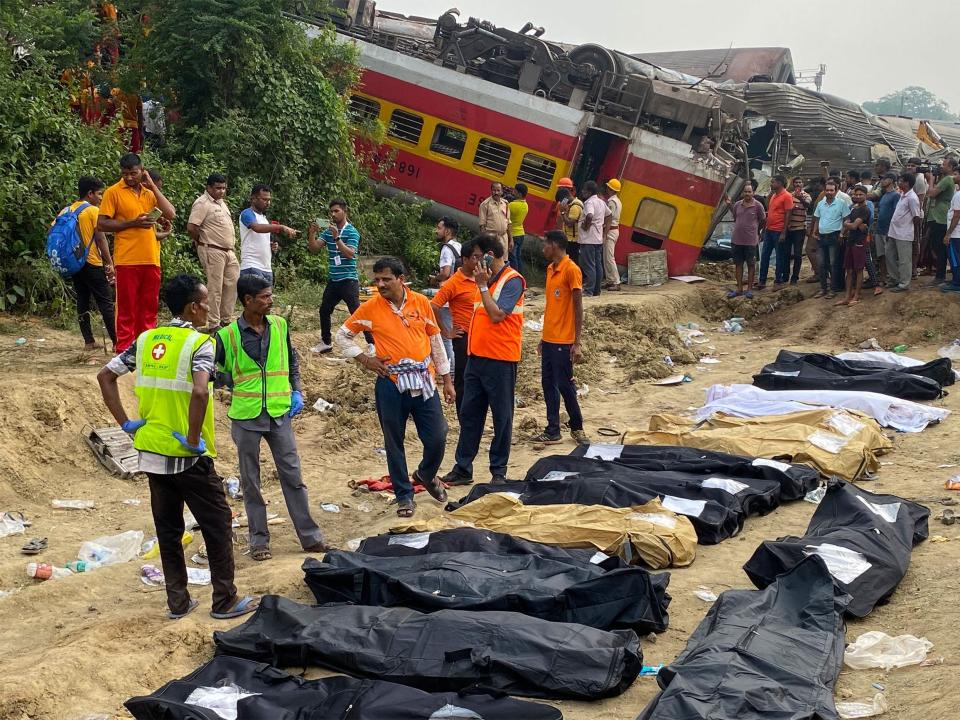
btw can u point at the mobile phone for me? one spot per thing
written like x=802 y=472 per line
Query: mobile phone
x=155 y=214
x=488 y=261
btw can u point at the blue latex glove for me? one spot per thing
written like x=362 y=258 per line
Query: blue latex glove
x=198 y=449
x=296 y=403
x=131 y=426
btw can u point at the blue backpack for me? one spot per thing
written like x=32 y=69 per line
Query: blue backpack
x=65 y=246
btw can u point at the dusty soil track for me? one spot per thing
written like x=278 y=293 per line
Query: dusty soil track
x=84 y=644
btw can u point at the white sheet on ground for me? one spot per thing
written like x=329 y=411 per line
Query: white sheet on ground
x=749 y=401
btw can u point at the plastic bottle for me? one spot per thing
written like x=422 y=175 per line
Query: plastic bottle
x=79 y=566
x=151 y=548
x=899 y=348
x=45 y=571
x=72 y=504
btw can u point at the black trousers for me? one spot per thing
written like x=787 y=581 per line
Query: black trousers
x=573 y=251
x=346 y=290
x=200 y=488
x=556 y=377
x=459 y=367
x=487 y=384
x=91 y=285
x=935 y=234
x=795 y=239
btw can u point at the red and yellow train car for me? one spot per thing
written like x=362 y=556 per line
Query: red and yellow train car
x=454 y=133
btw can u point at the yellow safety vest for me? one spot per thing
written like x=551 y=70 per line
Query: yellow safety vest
x=256 y=387
x=164 y=386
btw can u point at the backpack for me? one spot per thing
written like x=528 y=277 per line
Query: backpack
x=457 y=260
x=65 y=246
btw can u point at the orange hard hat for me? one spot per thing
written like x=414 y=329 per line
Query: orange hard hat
x=565 y=182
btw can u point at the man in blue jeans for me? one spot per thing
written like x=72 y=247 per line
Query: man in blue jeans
x=775 y=236
x=408 y=348
x=827 y=223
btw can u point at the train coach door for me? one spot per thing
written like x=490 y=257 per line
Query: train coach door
x=602 y=156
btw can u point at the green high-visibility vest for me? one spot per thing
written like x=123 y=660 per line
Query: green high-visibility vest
x=164 y=386
x=256 y=387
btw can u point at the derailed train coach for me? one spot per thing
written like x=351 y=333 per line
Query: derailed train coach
x=464 y=105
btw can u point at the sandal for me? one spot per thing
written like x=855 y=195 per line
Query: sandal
x=242 y=607
x=190 y=608
x=34 y=546
x=432 y=486
x=406 y=508
x=261 y=553
x=732 y=294
x=748 y=295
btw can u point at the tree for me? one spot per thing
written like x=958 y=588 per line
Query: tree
x=914 y=101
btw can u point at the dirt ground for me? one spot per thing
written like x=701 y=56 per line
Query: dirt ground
x=83 y=645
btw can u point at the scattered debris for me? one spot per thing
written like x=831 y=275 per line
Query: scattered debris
x=650 y=671
x=112 y=549
x=674 y=380
x=535 y=325
x=72 y=504
x=871 y=344
x=953 y=483
x=330 y=507
x=733 y=325
x=705 y=594
x=232 y=486
x=323 y=406
x=951 y=351
x=131 y=501
x=875 y=707
x=878 y=650
x=12 y=524
x=687 y=278
x=816 y=495
x=583 y=391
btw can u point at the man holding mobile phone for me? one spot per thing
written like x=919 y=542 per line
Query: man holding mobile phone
x=342 y=242
x=126 y=212
x=493 y=354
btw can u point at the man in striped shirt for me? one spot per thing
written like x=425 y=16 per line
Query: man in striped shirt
x=342 y=242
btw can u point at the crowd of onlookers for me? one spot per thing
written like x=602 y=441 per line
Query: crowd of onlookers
x=893 y=226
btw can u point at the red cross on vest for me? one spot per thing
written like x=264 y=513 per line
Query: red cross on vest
x=159 y=350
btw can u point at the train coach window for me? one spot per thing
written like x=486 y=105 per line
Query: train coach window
x=363 y=110
x=655 y=217
x=537 y=170
x=492 y=156
x=448 y=141
x=405 y=126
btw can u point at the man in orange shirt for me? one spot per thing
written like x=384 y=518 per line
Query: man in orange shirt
x=408 y=347
x=779 y=209
x=493 y=354
x=560 y=347
x=461 y=292
x=128 y=212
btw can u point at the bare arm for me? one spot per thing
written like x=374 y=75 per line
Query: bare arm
x=166 y=207
x=111 y=395
x=313 y=244
x=103 y=247
x=198 y=406
x=107 y=224
x=815 y=227
x=587 y=220
x=193 y=230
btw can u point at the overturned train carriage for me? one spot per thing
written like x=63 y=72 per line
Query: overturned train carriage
x=480 y=103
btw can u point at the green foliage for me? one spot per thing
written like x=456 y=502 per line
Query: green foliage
x=258 y=100
x=913 y=101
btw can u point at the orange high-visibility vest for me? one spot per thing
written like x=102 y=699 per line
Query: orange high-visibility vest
x=498 y=341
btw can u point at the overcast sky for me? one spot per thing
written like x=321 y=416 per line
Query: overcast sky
x=857 y=41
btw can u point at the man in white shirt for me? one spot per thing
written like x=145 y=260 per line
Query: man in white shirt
x=256 y=245
x=590 y=238
x=904 y=233
x=953 y=235
x=447 y=230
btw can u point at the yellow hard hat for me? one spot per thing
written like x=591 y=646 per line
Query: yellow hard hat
x=614 y=185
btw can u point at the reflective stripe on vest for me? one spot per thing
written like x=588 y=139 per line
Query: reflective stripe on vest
x=256 y=387
x=165 y=390
x=503 y=340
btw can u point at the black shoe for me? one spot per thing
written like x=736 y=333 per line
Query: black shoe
x=498 y=480
x=453 y=478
